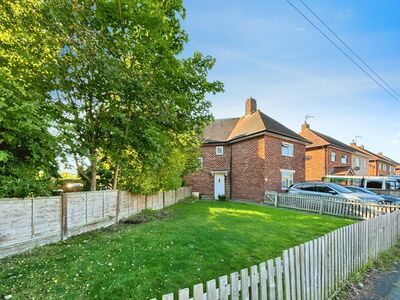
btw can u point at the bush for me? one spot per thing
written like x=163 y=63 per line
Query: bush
x=11 y=187
x=222 y=198
x=148 y=215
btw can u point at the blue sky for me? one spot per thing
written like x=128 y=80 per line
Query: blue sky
x=266 y=50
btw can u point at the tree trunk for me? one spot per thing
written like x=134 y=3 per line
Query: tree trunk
x=93 y=174
x=115 y=179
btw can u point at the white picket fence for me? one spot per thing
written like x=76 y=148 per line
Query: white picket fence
x=329 y=205
x=313 y=270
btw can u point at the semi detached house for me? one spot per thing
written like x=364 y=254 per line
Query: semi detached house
x=243 y=157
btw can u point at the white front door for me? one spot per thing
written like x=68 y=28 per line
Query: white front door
x=219 y=185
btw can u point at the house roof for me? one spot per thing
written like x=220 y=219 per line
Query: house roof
x=376 y=156
x=389 y=160
x=225 y=130
x=341 y=171
x=334 y=142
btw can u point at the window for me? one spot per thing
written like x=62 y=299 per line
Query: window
x=333 y=156
x=374 y=184
x=324 y=189
x=287 y=149
x=219 y=150
x=200 y=163
x=307 y=187
x=344 y=159
x=380 y=166
x=287 y=178
x=384 y=167
x=357 y=161
x=365 y=163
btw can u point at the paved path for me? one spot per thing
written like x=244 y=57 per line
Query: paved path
x=385 y=286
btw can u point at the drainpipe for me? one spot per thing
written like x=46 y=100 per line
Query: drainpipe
x=230 y=172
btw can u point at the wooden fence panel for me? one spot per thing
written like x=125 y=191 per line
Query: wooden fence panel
x=26 y=223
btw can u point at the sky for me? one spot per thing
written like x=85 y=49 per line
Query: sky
x=266 y=50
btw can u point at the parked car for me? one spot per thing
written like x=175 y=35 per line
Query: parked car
x=330 y=189
x=384 y=200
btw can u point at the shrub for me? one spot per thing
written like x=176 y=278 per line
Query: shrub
x=222 y=198
x=148 y=215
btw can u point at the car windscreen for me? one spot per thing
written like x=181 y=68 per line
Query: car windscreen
x=358 y=190
x=340 y=189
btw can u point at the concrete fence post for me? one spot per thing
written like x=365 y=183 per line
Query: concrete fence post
x=64 y=216
x=276 y=199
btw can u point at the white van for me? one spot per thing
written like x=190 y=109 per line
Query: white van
x=369 y=182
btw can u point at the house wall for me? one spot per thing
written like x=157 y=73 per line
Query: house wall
x=275 y=162
x=364 y=168
x=202 y=181
x=248 y=163
x=315 y=164
x=398 y=170
x=338 y=162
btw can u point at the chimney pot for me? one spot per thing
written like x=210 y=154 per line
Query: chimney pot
x=251 y=106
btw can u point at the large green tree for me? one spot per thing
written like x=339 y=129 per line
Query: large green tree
x=27 y=149
x=122 y=90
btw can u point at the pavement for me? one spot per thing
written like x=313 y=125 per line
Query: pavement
x=385 y=286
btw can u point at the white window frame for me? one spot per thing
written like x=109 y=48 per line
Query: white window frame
x=365 y=163
x=357 y=162
x=290 y=149
x=219 y=150
x=343 y=159
x=200 y=162
x=380 y=166
x=333 y=156
x=287 y=178
x=384 y=167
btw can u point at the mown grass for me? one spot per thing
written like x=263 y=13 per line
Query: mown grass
x=200 y=240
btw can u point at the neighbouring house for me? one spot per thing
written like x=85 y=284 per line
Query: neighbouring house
x=397 y=169
x=243 y=157
x=379 y=164
x=360 y=163
x=326 y=155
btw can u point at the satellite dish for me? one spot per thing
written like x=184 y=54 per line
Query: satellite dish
x=356 y=168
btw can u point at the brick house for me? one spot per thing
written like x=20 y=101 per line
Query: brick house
x=379 y=164
x=243 y=157
x=326 y=155
x=397 y=169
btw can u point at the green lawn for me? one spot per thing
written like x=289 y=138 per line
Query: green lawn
x=201 y=241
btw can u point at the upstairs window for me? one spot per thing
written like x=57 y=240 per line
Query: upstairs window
x=333 y=156
x=365 y=163
x=344 y=159
x=384 y=167
x=200 y=162
x=219 y=150
x=357 y=161
x=287 y=149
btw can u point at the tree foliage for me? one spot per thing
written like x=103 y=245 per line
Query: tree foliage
x=108 y=79
x=27 y=149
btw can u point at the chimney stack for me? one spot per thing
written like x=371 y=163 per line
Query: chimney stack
x=353 y=144
x=305 y=126
x=251 y=106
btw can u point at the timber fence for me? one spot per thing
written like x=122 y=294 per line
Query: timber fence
x=29 y=222
x=313 y=270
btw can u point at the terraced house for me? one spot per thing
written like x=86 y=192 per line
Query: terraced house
x=379 y=164
x=242 y=157
x=326 y=155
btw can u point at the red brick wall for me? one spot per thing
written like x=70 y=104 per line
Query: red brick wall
x=203 y=181
x=256 y=166
x=248 y=169
x=275 y=161
x=315 y=164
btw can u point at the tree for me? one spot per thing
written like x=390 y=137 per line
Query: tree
x=27 y=149
x=120 y=87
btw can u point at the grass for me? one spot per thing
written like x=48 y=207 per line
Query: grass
x=198 y=241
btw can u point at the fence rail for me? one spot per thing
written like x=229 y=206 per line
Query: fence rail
x=29 y=222
x=313 y=270
x=329 y=205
